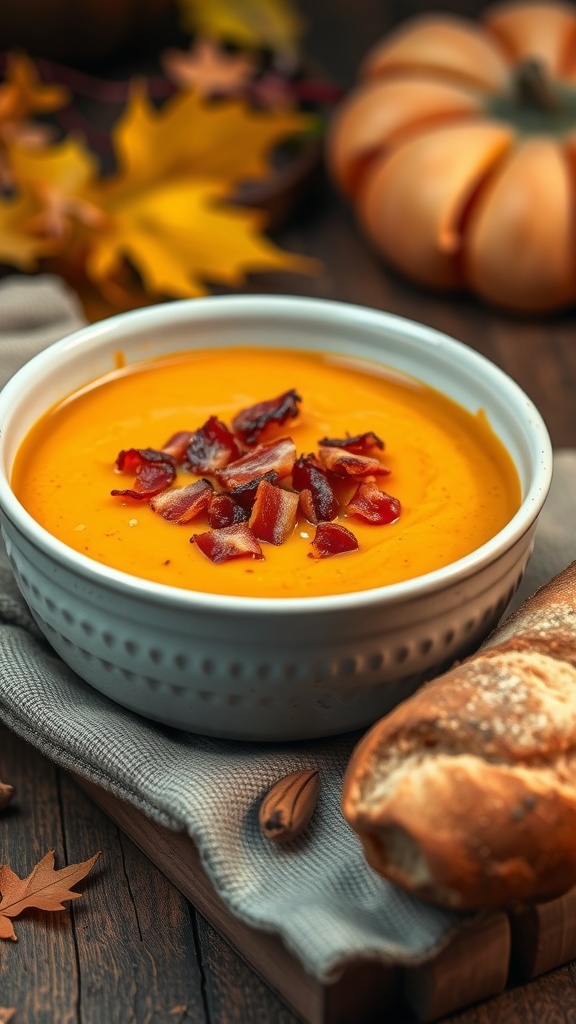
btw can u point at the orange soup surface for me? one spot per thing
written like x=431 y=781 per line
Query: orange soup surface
x=455 y=481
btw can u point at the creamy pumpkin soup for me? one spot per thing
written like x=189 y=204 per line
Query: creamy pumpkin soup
x=266 y=473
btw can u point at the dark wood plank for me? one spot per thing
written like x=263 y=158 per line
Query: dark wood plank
x=177 y=856
x=123 y=954
x=232 y=990
x=550 y=999
x=543 y=936
x=472 y=967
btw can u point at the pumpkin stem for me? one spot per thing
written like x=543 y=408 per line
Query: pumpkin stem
x=533 y=86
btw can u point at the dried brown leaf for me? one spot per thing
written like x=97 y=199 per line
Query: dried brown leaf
x=45 y=888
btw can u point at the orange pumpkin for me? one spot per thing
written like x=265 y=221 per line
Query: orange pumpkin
x=458 y=149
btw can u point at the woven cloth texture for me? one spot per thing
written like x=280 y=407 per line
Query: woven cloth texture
x=317 y=892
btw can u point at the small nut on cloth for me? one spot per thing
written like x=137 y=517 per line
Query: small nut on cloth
x=289 y=805
x=6 y=794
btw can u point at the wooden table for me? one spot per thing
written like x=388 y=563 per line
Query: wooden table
x=133 y=949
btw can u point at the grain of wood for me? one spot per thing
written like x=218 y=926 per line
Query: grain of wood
x=127 y=954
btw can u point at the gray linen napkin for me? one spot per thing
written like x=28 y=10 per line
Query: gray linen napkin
x=317 y=892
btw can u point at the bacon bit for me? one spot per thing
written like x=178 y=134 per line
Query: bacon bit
x=332 y=539
x=251 y=423
x=360 y=444
x=307 y=506
x=155 y=472
x=301 y=472
x=229 y=542
x=343 y=463
x=177 y=445
x=182 y=504
x=211 y=447
x=308 y=475
x=224 y=511
x=373 y=505
x=274 y=514
x=246 y=493
x=276 y=456
x=130 y=460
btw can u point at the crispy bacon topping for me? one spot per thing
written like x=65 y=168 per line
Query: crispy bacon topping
x=246 y=505
x=211 y=447
x=250 y=424
x=229 y=542
x=360 y=444
x=307 y=506
x=182 y=504
x=373 y=505
x=246 y=493
x=276 y=456
x=154 y=470
x=224 y=511
x=274 y=514
x=308 y=475
x=343 y=463
x=332 y=539
x=177 y=445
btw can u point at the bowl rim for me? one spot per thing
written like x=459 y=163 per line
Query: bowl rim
x=395 y=593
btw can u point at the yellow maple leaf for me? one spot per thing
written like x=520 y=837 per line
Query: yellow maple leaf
x=22 y=94
x=49 y=202
x=227 y=141
x=19 y=246
x=165 y=207
x=67 y=168
x=164 y=211
x=181 y=235
x=271 y=24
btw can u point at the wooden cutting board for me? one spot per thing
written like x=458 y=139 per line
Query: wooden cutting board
x=482 y=959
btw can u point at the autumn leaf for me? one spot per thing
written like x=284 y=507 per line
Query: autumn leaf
x=45 y=888
x=19 y=246
x=37 y=219
x=270 y=24
x=165 y=212
x=189 y=135
x=166 y=207
x=208 y=68
x=22 y=94
x=181 y=235
x=58 y=177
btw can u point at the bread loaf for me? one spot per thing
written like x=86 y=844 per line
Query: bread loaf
x=465 y=794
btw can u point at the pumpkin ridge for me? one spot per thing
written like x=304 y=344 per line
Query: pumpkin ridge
x=506 y=257
x=478 y=194
x=474 y=198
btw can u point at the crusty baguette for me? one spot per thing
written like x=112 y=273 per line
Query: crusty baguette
x=465 y=794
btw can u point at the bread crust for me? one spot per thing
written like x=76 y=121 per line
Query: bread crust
x=465 y=794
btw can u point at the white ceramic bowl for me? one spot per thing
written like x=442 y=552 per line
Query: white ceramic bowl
x=254 y=668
